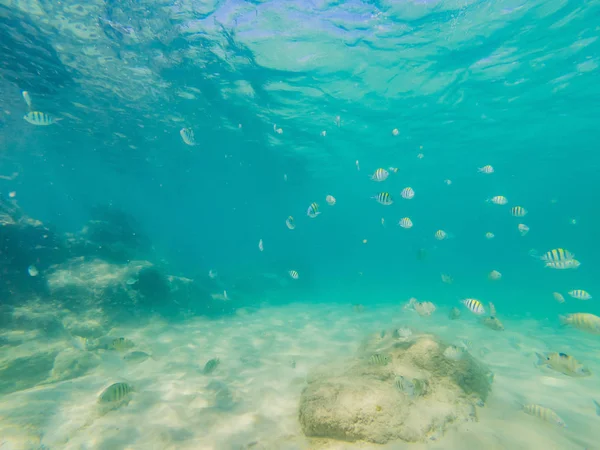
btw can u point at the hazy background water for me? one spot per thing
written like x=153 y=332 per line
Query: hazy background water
x=508 y=83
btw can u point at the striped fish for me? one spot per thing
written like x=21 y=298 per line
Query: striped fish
x=293 y=274
x=518 y=211
x=582 y=321
x=379 y=360
x=556 y=255
x=486 y=169
x=543 y=413
x=211 y=365
x=313 y=210
x=440 y=235
x=407 y=193
x=289 y=222
x=187 y=134
x=115 y=393
x=499 y=200
x=384 y=198
x=380 y=175
x=474 y=306
x=121 y=344
x=580 y=294
x=405 y=223
x=40 y=118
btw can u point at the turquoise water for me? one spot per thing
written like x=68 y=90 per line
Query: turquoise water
x=511 y=84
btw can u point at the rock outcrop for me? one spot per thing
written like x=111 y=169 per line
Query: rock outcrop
x=398 y=389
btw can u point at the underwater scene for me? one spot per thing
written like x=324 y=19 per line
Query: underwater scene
x=305 y=224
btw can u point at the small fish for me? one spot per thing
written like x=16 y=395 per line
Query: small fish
x=454 y=353
x=187 y=134
x=116 y=393
x=338 y=121
x=563 y=363
x=582 y=321
x=499 y=200
x=454 y=313
x=330 y=199
x=518 y=211
x=420 y=156
x=395 y=132
x=378 y=359
x=212 y=274
x=447 y=279
x=393 y=169
x=136 y=357
x=293 y=274
x=494 y=275
x=523 y=229
x=384 y=198
x=32 y=271
x=383 y=221
x=493 y=323
x=406 y=223
x=40 y=118
x=357 y=165
x=27 y=98
x=404 y=385
x=580 y=294
x=407 y=193
x=487 y=169
x=440 y=235
x=211 y=365
x=492 y=309
x=121 y=344
x=313 y=210
x=261 y=246
x=448 y=182
x=489 y=235
x=545 y=414
x=597 y=407
x=323 y=133
x=474 y=306
x=403 y=333
x=289 y=222
x=558 y=297
x=277 y=130
x=380 y=175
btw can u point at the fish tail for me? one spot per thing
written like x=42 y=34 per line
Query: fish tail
x=564 y=320
x=541 y=359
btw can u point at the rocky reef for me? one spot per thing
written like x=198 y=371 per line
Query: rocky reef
x=407 y=389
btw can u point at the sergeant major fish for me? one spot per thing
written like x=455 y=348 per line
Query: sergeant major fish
x=563 y=363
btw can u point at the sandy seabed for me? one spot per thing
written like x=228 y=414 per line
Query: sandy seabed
x=251 y=400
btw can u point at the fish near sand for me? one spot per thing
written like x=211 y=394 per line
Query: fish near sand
x=563 y=363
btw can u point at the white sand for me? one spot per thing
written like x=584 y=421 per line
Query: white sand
x=253 y=395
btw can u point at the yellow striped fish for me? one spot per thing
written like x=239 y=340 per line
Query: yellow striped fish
x=440 y=235
x=121 y=344
x=580 y=294
x=187 y=134
x=40 y=118
x=289 y=222
x=313 y=210
x=543 y=413
x=563 y=363
x=380 y=175
x=499 y=200
x=405 y=223
x=384 y=198
x=518 y=211
x=294 y=274
x=379 y=360
x=556 y=255
x=407 y=193
x=115 y=393
x=582 y=321
x=474 y=306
